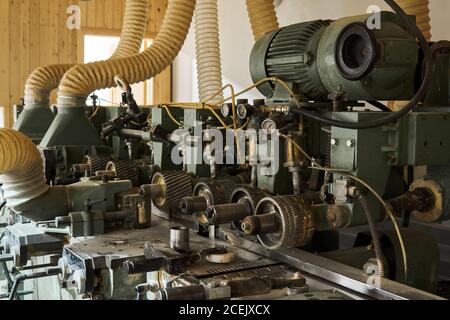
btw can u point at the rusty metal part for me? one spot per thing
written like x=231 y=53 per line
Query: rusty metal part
x=339 y=216
x=420 y=200
x=432 y=208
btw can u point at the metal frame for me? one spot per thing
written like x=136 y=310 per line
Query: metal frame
x=335 y=272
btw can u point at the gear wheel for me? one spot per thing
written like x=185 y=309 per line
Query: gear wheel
x=215 y=192
x=124 y=170
x=249 y=196
x=96 y=162
x=176 y=185
x=295 y=218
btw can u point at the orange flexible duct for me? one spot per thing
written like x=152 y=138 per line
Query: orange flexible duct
x=263 y=17
x=21 y=168
x=420 y=9
x=81 y=80
x=133 y=29
x=45 y=79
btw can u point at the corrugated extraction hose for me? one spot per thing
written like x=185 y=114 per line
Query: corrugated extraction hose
x=21 y=168
x=81 y=80
x=209 y=69
x=45 y=79
x=133 y=29
x=263 y=17
x=420 y=9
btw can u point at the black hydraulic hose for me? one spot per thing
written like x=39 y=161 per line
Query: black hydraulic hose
x=379 y=105
x=2 y=205
x=428 y=62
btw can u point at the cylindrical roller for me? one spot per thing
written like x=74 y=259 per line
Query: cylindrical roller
x=175 y=186
x=296 y=225
x=191 y=205
x=180 y=239
x=226 y=213
x=261 y=224
x=215 y=192
x=248 y=196
x=124 y=170
x=96 y=162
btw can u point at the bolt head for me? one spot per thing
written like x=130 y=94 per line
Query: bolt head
x=349 y=143
x=333 y=142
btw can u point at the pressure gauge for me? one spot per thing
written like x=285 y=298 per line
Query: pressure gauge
x=226 y=110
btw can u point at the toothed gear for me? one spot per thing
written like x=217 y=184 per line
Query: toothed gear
x=216 y=192
x=97 y=162
x=249 y=195
x=124 y=170
x=296 y=222
x=253 y=195
x=176 y=186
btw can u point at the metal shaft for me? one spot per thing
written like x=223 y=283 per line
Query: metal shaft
x=261 y=224
x=226 y=213
x=191 y=205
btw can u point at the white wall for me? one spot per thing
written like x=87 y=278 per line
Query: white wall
x=237 y=40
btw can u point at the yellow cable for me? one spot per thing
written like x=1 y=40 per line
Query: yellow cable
x=95 y=113
x=171 y=116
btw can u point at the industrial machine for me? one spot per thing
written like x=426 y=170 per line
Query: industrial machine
x=314 y=192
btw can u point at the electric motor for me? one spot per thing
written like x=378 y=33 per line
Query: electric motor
x=351 y=55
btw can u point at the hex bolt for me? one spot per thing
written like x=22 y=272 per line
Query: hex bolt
x=349 y=143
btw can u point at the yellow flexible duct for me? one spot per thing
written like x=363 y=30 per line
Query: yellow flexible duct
x=420 y=9
x=81 y=80
x=133 y=29
x=209 y=70
x=263 y=17
x=44 y=80
x=21 y=168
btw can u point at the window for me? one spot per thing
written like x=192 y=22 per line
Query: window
x=98 y=48
x=2 y=117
